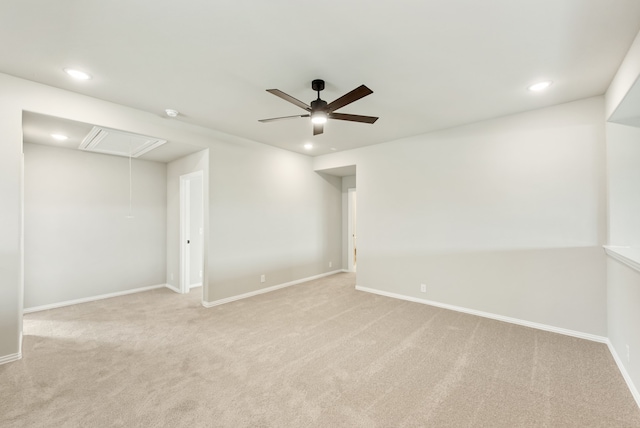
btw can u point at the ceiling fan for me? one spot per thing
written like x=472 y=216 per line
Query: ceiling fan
x=320 y=111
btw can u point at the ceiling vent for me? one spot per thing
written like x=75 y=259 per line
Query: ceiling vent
x=119 y=143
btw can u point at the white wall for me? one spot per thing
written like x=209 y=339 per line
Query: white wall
x=505 y=216
x=10 y=228
x=623 y=294
x=623 y=157
x=623 y=167
x=270 y=214
x=78 y=241
x=348 y=182
x=196 y=162
x=624 y=79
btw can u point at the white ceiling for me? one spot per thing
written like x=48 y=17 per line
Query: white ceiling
x=37 y=129
x=431 y=64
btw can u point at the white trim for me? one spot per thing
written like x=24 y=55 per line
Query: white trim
x=21 y=280
x=623 y=371
x=535 y=325
x=630 y=256
x=93 y=139
x=345 y=271
x=10 y=358
x=196 y=285
x=266 y=290
x=172 y=288
x=185 y=189
x=352 y=229
x=91 y=299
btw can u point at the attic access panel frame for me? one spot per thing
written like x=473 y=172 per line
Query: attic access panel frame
x=119 y=143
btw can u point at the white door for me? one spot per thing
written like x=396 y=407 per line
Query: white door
x=191 y=231
x=352 y=231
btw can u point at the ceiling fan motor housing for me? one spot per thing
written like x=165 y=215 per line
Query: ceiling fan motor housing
x=317 y=85
x=318 y=104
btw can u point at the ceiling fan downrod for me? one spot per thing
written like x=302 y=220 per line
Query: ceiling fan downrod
x=318 y=85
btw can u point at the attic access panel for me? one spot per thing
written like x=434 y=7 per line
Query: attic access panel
x=119 y=143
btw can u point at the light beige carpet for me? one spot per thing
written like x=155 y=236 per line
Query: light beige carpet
x=319 y=354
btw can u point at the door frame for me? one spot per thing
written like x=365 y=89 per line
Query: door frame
x=352 y=246
x=185 y=227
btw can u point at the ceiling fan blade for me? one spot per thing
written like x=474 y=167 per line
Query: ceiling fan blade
x=353 y=117
x=287 y=97
x=318 y=128
x=275 y=119
x=360 y=92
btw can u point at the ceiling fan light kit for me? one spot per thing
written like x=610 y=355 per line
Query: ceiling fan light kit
x=319 y=110
x=319 y=117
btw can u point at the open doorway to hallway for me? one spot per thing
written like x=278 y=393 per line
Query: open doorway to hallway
x=191 y=231
x=349 y=240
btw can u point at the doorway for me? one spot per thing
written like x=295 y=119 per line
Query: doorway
x=191 y=231
x=352 y=257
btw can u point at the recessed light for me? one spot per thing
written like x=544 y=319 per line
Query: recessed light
x=308 y=146
x=59 y=137
x=333 y=149
x=77 y=74
x=171 y=112
x=540 y=86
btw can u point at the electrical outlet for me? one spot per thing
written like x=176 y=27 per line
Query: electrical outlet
x=330 y=264
x=263 y=278
x=423 y=288
x=200 y=274
x=628 y=354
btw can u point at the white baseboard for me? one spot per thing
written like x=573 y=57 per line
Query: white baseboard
x=177 y=290
x=10 y=358
x=91 y=299
x=172 y=288
x=566 y=332
x=517 y=321
x=625 y=374
x=266 y=290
